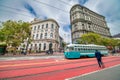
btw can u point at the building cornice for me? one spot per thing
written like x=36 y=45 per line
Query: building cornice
x=41 y=21
x=85 y=8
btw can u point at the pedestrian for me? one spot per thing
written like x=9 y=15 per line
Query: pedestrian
x=98 y=56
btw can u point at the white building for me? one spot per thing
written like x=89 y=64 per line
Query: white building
x=44 y=32
x=84 y=21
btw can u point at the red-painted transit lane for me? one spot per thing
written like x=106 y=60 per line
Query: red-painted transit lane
x=42 y=63
x=52 y=69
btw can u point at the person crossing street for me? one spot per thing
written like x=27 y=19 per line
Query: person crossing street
x=98 y=56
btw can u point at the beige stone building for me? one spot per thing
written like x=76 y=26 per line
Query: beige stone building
x=44 y=32
x=83 y=20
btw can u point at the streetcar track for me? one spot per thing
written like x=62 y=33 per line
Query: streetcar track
x=14 y=62
x=27 y=67
x=56 y=71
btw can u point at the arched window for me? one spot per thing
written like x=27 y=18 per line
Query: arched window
x=36 y=36
x=45 y=35
x=42 y=26
x=39 y=47
x=44 y=46
x=41 y=36
x=35 y=47
x=38 y=26
x=46 y=25
x=51 y=35
x=52 y=26
x=34 y=27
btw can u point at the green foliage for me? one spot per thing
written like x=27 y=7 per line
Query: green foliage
x=2 y=38
x=63 y=44
x=92 y=38
x=2 y=44
x=14 y=32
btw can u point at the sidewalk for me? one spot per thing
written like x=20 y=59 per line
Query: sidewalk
x=115 y=54
x=43 y=54
x=112 y=73
x=31 y=54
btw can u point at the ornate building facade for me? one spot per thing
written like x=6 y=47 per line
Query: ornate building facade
x=84 y=21
x=44 y=33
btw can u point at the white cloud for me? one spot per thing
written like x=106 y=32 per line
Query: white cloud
x=110 y=9
x=61 y=16
x=42 y=9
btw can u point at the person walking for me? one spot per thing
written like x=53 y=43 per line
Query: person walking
x=98 y=56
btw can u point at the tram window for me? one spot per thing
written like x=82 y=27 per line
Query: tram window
x=71 y=48
x=75 y=49
x=67 y=49
x=78 y=49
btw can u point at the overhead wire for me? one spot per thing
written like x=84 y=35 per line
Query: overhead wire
x=65 y=3
x=37 y=14
x=15 y=12
x=51 y=6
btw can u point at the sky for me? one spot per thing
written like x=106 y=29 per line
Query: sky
x=58 y=10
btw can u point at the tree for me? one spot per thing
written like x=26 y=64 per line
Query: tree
x=2 y=38
x=63 y=44
x=90 y=38
x=14 y=32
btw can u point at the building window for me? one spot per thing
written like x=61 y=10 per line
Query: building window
x=35 y=47
x=52 y=26
x=39 y=47
x=37 y=36
x=42 y=26
x=38 y=26
x=75 y=26
x=44 y=46
x=45 y=35
x=33 y=36
x=83 y=26
x=46 y=25
x=41 y=36
x=34 y=27
x=51 y=35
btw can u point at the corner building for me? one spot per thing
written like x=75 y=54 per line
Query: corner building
x=83 y=21
x=43 y=33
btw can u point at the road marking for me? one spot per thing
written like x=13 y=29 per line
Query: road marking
x=92 y=72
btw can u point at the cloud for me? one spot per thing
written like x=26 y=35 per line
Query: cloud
x=59 y=11
x=66 y=28
x=82 y=1
x=111 y=11
x=26 y=10
x=9 y=11
x=114 y=27
x=30 y=9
